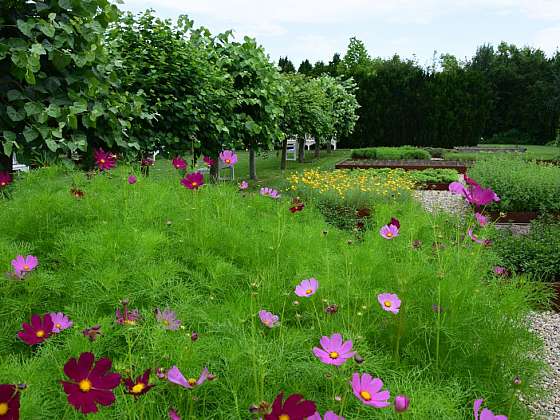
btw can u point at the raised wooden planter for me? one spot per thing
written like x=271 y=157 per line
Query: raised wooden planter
x=491 y=149
x=556 y=298
x=515 y=216
x=434 y=186
x=407 y=165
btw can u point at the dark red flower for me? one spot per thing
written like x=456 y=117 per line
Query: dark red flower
x=90 y=383
x=363 y=212
x=140 y=386
x=147 y=162
x=76 y=192
x=297 y=207
x=395 y=222
x=105 y=160
x=9 y=402
x=92 y=332
x=360 y=225
x=5 y=179
x=38 y=331
x=294 y=408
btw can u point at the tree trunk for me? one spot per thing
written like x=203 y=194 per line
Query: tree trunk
x=215 y=170
x=317 y=148
x=6 y=163
x=301 y=150
x=284 y=155
x=329 y=146
x=252 y=166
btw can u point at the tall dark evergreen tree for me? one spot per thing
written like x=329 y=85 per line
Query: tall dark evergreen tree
x=285 y=65
x=306 y=68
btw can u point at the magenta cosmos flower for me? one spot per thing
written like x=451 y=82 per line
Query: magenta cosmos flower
x=9 y=402
x=481 y=219
x=60 y=322
x=179 y=163
x=193 y=181
x=475 y=238
x=329 y=415
x=208 y=161
x=105 y=160
x=23 y=265
x=501 y=271
x=90 y=383
x=132 y=179
x=268 y=318
x=140 y=386
x=269 y=192
x=389 y=302
x=175 y=376
x=228 y=157
x=368 y=390
x=38 y=331
x=5 y=179
x=390 y=230
x=168 y=318
x=334 y=351
x=173 y=415
x=294 y=408
x=92 y=332
x=486 y=414
x=474 y=193
x=127 y=317
x=307 y=287
x=402 y=402
x=243 y=185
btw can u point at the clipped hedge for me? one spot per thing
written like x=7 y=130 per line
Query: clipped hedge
x=521 y=185
x=391 y=153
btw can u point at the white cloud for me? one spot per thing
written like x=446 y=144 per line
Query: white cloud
x=548 y=39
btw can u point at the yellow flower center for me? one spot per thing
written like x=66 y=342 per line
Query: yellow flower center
x=365 y=395
x=228 y=161
x=165 y=322
x=26 y=267
x=85 y=385
x=3 y=408
x=284 y=417
x=333 y=355
x=192 y=382
x=40 y=333
x=102 y=161
x=389 y=234
x=138 y=388
x=57 y=325
x=194 y=183
x=387 y=303
x=129 y=322
x=308 y=291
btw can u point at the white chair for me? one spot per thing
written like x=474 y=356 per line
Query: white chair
x=18 y=166
x=309 y=141
x=333 y=143
x=291 y=149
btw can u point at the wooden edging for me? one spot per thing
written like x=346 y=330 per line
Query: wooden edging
x=407 y=165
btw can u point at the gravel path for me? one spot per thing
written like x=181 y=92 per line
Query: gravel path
x=545 y=324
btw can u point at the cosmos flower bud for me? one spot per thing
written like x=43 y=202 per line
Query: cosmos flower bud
x=401 y=403
x=358 y=359
x=517 y=381
x=194 y=336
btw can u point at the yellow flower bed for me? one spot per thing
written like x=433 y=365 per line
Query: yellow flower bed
x=342 y=182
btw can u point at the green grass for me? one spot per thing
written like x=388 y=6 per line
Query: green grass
x=532 y=153
x=225 y=255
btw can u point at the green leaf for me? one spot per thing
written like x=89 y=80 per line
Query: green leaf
x=37 y=49
x=51 y=144
x=43 y=130
x=9 y=135
x=73 y=121
x=15 y=115
x=30 y=77
x=26 y=28
x=78 y=108
x=47 y=28
x=30 y=134
x=60 y=60
x=14 y=95
x=8 y=147
x=33 y=108
x=65 y=4
x=53 y=111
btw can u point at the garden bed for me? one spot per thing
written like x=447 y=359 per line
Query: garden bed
x=407 y=165
x=512 y=216
x=434 y=186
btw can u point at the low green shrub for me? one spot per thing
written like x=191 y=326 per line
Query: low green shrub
x=537 y=253
x=391 y=153
x=433 y=175
x=521 y=185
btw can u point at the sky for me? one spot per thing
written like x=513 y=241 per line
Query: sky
x=316 y=29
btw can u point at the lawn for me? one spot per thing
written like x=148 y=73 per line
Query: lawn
x=218 y=256
x=532 y=153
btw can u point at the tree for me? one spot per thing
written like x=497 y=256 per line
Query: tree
x=305 y=68
x=59 y=96
x=285 y=65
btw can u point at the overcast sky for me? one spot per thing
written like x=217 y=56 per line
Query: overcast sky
x=316 y=29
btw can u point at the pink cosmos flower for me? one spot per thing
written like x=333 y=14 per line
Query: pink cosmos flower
x=60 y=322
x=295 y=407
x=168 y=318
x=5 y=179
x=402 y=402
x=329 y=415
x=243 y=185
x=389 y=231
x=9 y=402
x=481 y=219
x=105 y=160
x=173 y=415
x=175 y=376
x=307 y=287
x=475 y=238
x=269 y=192
x=389 y=302
x=193 y=181
x=228 y=157
x=368 y=390
x=36 y=332
x=132 y=179
x=334 y=351
x=474 y=193
x=268 y=318
x=179 y=163
x=208 y=161
x=486 y=414
x=23 y=265
x=127 y=317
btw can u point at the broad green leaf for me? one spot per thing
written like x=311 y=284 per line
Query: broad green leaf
x=9 y=135
x=14 y=95
x=65 y=4
x=78 y=108
x=15 y=115
x=33 y=108
x=30 y=77
x=53 y=111
x=73 y=121
x=37 y=49
x=30 y=134
x=60 y=60
x=51 y=144
x=26 y=28
x=47 y=28
x=8 y=147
